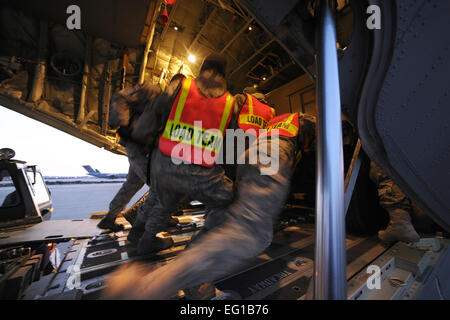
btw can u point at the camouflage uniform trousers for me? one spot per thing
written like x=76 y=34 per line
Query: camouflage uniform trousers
x=138 y=227
x=171 y=183
x=136 y=178
x=244 y=230
x=390 y=195
x=397 y=205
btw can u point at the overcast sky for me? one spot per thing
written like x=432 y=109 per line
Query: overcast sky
x=55 y=152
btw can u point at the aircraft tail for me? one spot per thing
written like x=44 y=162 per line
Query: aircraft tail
x=89 y=169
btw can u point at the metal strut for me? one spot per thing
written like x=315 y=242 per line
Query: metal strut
x=330 y=256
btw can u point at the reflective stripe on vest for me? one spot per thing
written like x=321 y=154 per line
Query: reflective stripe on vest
x=248 y=119
x=196 y=139
x=287 y=125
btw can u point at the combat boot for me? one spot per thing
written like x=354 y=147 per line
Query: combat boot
x=147 y=246
x=135 y=234
x=131 y=215
x=108 y=223
x=400 y=228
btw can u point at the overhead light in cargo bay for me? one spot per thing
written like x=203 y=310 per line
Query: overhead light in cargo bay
x=191 y=58
x=175 y=26
x=250 y=28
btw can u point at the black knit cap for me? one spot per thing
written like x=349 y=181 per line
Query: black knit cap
x=178 y=76
x=216 y=62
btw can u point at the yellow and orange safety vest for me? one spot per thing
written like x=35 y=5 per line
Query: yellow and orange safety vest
x=196 y=125
x=254 y=115
x=287 y=125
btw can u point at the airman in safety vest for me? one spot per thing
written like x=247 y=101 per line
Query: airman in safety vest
x=287 y=127
x=254 y=115
x=197 y=114
x=196 y=126
x=247 y=229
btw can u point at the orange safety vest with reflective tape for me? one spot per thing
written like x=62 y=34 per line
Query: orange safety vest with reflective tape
x=254 y=115
x=196 y=126
x=287 y=125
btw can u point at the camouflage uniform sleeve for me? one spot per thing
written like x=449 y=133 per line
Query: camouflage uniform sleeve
x=119 y=114
x=130 y=102
x=154 y=117
x=143 y=95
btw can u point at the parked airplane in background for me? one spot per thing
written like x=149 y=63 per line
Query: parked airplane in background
x=98 y=174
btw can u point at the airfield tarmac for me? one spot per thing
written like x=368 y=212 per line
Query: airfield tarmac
x=78 y=201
